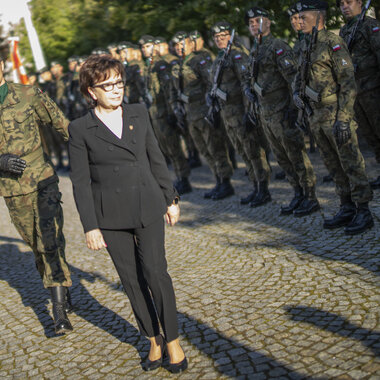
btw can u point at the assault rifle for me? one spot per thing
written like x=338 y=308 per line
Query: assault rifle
x=305 y=92
x=360 y=19
x=253 y=112
x=216 y=92
x=180 y=112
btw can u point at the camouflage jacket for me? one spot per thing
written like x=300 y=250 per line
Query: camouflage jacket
x=134 y=81
x=208 y=54
x=297 y=45
x=234 y=75
x=20 y=114
x=331 y=73
x=365 y=52
x=276 y=70
x=195 y=73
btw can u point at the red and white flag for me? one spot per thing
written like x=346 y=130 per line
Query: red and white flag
x=19 y=74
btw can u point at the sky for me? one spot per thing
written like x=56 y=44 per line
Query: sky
x=10 y=11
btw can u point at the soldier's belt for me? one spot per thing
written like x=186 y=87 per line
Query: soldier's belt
x=313 y=95
x=184 y=98
x=221 y=94
x=258 y=89
x=33 y=155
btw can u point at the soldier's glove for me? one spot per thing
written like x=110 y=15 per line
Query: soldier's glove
x=249 y=95
x=298 y=102
x=209 y=100
x=12 y=163
x=342 y=132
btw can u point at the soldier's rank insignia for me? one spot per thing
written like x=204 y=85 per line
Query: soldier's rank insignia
x=336 y=47
x=344 y=62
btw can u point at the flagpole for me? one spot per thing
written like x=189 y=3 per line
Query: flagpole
x=38 y=56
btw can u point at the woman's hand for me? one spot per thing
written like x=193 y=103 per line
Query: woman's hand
x=172 y=215
x=95 y=240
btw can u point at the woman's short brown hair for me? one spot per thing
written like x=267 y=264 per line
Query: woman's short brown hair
x=97 y=68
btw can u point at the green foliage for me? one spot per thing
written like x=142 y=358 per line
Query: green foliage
x=68 y=27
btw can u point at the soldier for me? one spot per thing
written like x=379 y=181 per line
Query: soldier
x=364 y=47
x=273 y=68
x=29 y=185
x=191 y=81
x=249 y=144
x=330 y=90
x=135 y=89
x=158 y=82
x=113 y=50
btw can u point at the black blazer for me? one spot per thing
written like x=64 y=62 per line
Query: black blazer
x=118 y=183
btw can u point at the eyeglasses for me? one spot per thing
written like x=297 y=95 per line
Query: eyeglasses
x=107 y=87
x=221 y=36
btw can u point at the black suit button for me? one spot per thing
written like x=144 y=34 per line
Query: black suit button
x=134 y=141
x=116 y=169
x=118 y=190
x=111 y=148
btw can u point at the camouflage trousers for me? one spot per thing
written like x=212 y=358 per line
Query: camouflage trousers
x=170 y=144
x=367 y=114
x=212 y=144
x=288 y=146
x=345 y=164
x=250 y=145
x=38 y=218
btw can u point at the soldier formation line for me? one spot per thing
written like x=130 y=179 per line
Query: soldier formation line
x=255 y=102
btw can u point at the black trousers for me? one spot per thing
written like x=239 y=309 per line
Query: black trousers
x=139 y=258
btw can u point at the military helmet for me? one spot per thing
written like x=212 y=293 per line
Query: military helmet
x=194 y=35
x=53 y=63
x=112 y=46
x=179 y=36
x=255 y=12
x=159 y=40
x=292 y=10
x=73 y=58
x=100 y=51
x=221 y=26
x=124 y=45
x=146 y=39
x=82 y=58
x=312 y=5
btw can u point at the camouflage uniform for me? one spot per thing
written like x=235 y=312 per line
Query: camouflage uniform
x=33 y=198
x=250 y=145
x=332 y=76
x=276 y=70
x=134 y=81
x=158 y=77
x=209 y=141
x=365 y=53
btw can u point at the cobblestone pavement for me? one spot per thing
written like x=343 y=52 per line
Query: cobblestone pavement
x=260 y=296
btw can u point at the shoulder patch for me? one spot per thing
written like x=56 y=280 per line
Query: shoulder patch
x=238 y=56
x=375 y=29
x=280 y=51
x=336 y=47
x=208 y=58
x=162 y=67
x=174 y=62
x=202 y=62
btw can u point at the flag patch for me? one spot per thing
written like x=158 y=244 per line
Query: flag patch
x=202 y=62
x=336 y=47
x=375 y=29
x=280 y=51
x=163 y=67
x=238 y=56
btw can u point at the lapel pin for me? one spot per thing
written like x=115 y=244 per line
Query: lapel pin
x=131 y=127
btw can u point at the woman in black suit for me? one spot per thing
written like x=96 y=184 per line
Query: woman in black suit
x=122 y=189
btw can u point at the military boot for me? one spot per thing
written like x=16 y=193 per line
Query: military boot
x=294 y=203
x=61 y=320
x=69 y=306
x=376 y=183
x=250 y=197
x=225 y=190
x=308 y=205
x=344 y=216
x=210 y=193
x=361 y=222
x=262 y=196
x=183 y=186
